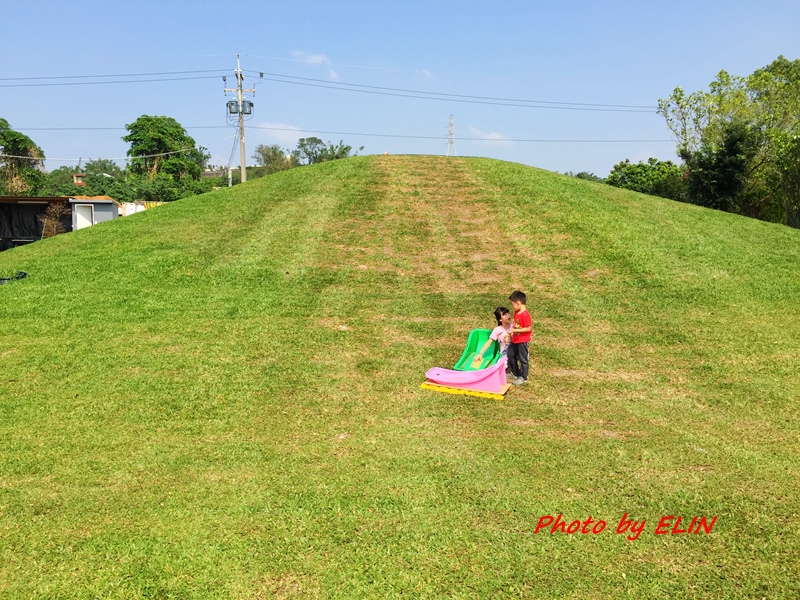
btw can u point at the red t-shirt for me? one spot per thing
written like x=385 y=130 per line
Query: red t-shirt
x=521 y=320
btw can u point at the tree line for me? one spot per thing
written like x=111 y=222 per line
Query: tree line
x=309 y=151
x=739 y=143
x=165 y=164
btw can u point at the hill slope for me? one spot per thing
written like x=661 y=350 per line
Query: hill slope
x=220 y=397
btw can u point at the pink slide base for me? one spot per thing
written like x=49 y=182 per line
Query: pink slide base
x=492 y=379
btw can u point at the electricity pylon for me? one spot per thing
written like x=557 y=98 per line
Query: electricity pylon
x=451 y=142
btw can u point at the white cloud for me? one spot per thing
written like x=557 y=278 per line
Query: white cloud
x=492 y=136
x=316 y=59
x=324 y=60
x=311 y=59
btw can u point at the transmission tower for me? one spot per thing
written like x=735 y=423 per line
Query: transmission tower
x=451 y=141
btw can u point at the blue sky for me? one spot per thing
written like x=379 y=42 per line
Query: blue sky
x=574 y=53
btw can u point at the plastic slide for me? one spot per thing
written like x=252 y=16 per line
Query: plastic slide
x=487 y=379
x=492 y=380
x=477 y=338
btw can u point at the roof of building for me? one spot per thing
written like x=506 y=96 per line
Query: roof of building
x=92 y=198
x=32 y=199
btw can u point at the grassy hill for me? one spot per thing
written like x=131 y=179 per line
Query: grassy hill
x=219 y=398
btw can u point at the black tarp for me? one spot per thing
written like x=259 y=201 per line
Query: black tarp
x=20 y=224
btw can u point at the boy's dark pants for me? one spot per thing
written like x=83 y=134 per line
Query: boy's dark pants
x=518 y=352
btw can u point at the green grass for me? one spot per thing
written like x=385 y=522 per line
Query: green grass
x=219 y=398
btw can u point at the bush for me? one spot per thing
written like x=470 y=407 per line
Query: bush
x=655 y=177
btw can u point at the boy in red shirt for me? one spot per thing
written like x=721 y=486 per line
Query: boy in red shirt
x=520 y=338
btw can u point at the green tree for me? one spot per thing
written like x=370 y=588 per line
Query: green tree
x=586 y=175
x=309 y=151
x=99 y=181
x=335 y=152
x=655 y=177
x=160 y=187
x=120 y=187
x=718 y=173
x=103 y=165
x=788 y=166
x=757 y=117
x=199 y=156
x=159 y=145
x=20 y=163
x=313 y=150
x=273 y=158
x=59 y=182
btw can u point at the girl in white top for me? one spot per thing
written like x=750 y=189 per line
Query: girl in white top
x=500 y=333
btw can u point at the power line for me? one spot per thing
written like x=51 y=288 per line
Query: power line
x=460 y=100
x=472 y=139
x=357 y=85
x=355 y=133
x=75 y=159
x=311 y=82
x=233 y=149
x=459 y=95
x=16 y=85
x=106 y=128
x=464 y=98
x=383 y=135
x=111 y=75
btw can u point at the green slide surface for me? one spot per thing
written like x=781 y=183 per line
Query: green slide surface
x=477 y=338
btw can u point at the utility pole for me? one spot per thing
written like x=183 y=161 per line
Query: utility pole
x=451 y=140
x=240 y=108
